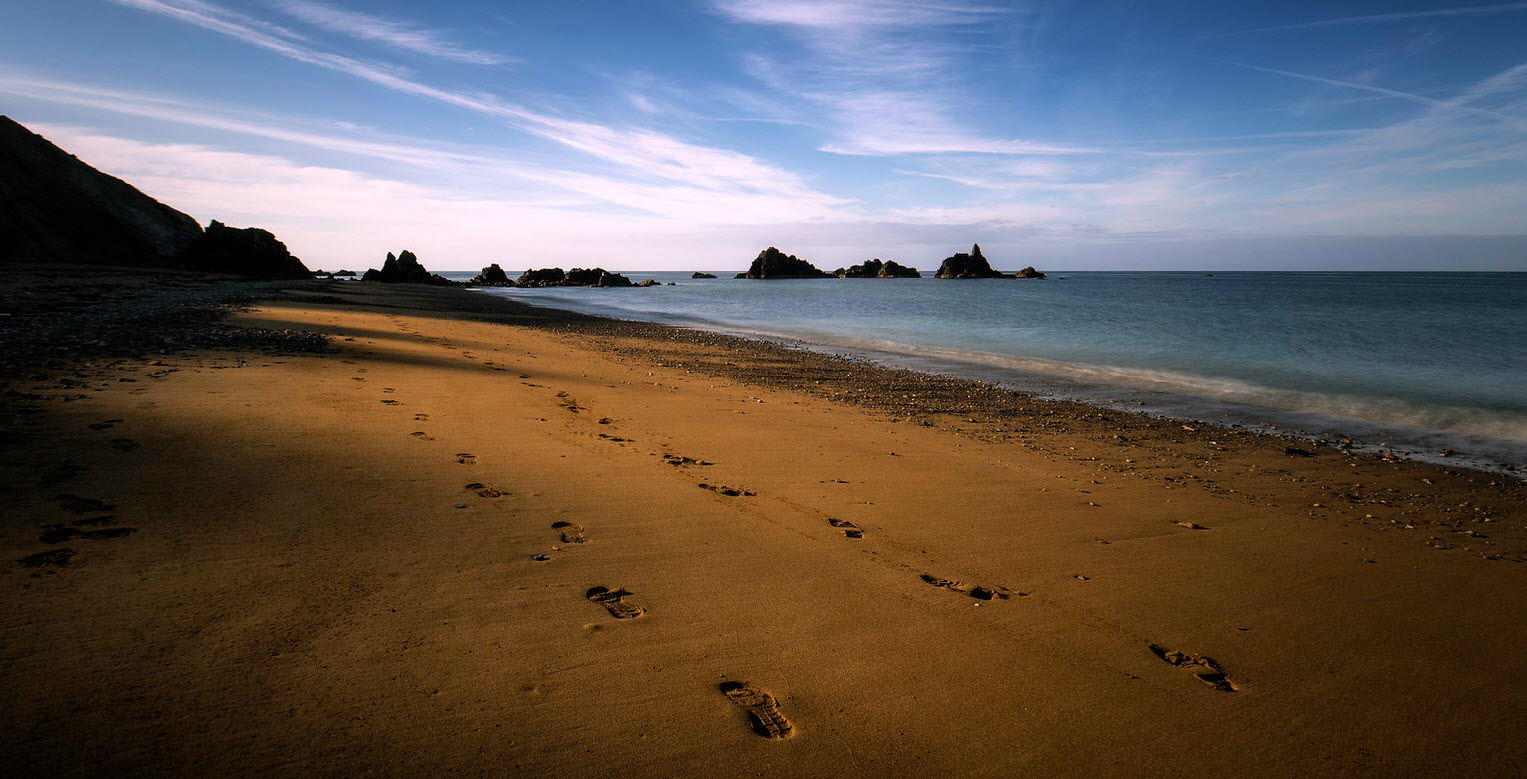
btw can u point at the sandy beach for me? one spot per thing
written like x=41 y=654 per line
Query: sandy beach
x=474 y=536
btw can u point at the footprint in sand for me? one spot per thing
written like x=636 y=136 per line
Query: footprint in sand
x=104 y=425
x=572 y=532
x=617 y=439
x=1207 y=671
x=1191 y=525
x=850 y=530
x=422 y=436
x=79 y=505
x=484 y=490
x=388 y=390
x=730 y=492
x=124 y=444
x=421 y=417
x=466 y=459
x=677 y=460
x=392 y=402
x=761 y=707
x=53 y=558
x=613 y=602
x=357 y=378
x=973 y=590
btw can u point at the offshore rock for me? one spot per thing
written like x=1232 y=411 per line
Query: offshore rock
x=491 y=276
x=699 y=275
x=875 y=269
x=968 y=266
x=595 y=277
x=771 y=263
x=1028 y=273
x=577 y=277
x=544 y=277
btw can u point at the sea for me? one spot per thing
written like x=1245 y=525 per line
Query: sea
x=1429 y=366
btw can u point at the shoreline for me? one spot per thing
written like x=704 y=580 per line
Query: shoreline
x=1450 y=435
x=472 y=534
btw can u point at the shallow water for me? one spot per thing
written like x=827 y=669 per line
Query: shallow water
x=1422 y=362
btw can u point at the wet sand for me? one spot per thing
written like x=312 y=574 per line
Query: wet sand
x=472 y=535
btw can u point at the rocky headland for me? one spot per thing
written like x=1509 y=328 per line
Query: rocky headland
x=55 y=208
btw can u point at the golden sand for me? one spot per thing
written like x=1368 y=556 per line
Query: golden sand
x=498 y=547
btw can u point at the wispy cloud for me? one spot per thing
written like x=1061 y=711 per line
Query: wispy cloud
x=1385 y=18
x=390 y=32
x=884 y=71
x=638 y=151
x=469 y=169
x=1430 y=102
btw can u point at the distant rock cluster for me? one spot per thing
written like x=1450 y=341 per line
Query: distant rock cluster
x=54 y=208
x=577 y=277
x=875 y=269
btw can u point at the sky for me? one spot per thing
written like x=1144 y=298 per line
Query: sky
x=691 y=134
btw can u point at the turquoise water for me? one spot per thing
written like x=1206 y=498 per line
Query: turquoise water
x=1421 y=362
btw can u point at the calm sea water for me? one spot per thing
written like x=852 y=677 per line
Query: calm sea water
x=1420 y=362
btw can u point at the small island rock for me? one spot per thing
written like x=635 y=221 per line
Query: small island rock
x=875 y=269
x=577 y=277
x=772 y=263
x=699 y=275
x=968 y=266
x=491 y=276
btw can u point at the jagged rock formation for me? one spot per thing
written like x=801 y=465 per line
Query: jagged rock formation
x=491 y=276
x=975 y=266
x=247 y=252
x=968 y=266
x=404 y=269
x=875 y=269
x=56 y=208
x=577 y=277
x=772 y=263
x=699 y=275
x=649 y=283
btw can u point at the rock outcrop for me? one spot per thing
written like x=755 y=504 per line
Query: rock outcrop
x=975 y=266
x=699 y=275
x=56 y=208
x=491 y=276
x=875 y=269
x=246 y=252
x=968 y=266
x=577 y=277
x=405 y=268
x=772 y=263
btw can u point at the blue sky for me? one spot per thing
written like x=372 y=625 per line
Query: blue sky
x=683 y=134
